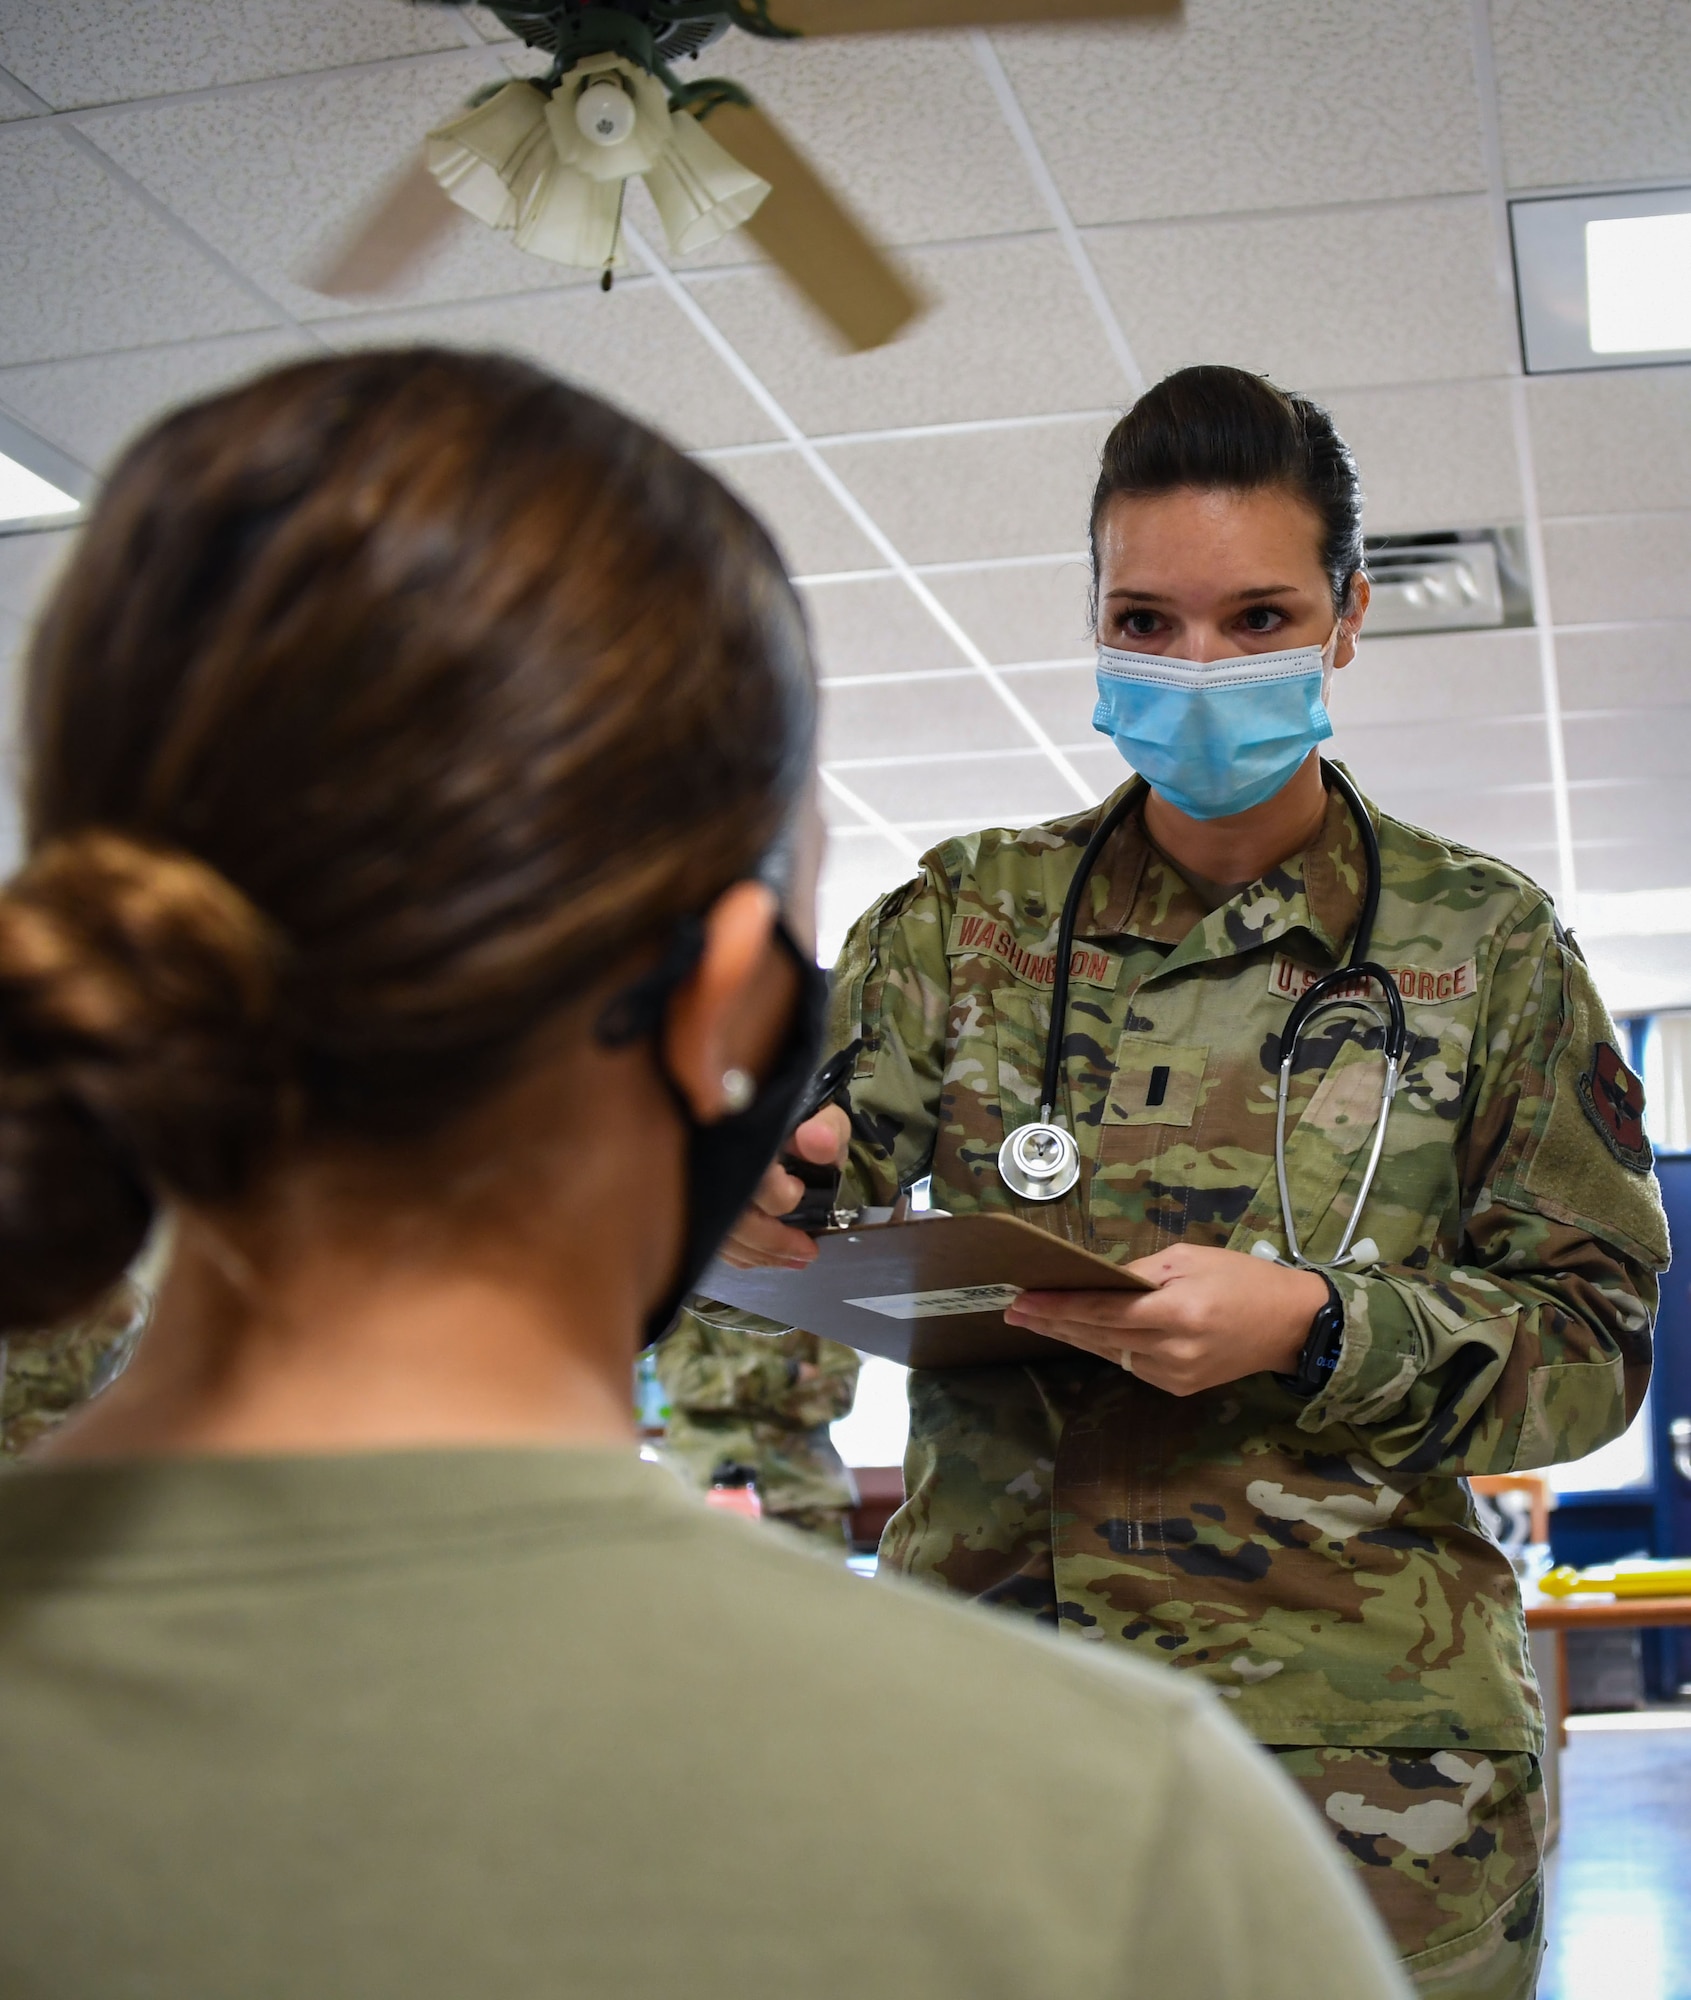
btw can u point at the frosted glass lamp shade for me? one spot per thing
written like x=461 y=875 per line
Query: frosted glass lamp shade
x=700 y=190
x=571 y=219
x=480 y=157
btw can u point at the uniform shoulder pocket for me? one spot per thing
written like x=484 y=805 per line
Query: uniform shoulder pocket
x=1586 y=1160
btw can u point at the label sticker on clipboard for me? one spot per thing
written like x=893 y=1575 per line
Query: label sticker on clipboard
x=948 y=1304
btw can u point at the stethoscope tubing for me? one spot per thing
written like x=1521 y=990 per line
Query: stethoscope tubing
x=1332 y=992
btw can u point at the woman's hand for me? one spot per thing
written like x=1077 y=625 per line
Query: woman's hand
x=759 y=1237
x=1216 y=1316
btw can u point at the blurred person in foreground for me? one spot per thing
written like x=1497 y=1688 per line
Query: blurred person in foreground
x=418 y=911
x=743 y=1392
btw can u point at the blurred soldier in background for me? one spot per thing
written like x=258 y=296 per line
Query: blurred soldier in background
x=742 y=1391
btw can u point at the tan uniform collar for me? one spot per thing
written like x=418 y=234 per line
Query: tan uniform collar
x=1135 y=893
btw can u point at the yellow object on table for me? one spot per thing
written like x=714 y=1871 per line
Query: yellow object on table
x=1669 y=1577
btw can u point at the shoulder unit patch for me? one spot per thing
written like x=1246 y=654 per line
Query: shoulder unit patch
x=1614 y=1102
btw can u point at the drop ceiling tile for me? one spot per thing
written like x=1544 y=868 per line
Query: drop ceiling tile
x=487 y=25
x=1623 y=567
x=1436 y=455
x=88 y=268
x=275 y=177
x=90 y=407
x=1624 y=667
x=812 y=528
x=974 y=792
x=29 y=566
x=1015 y=492
x=1010 y=334
x=77 y=52
x=1100 y=764
x=1592 y=93
x=1621 y=808
x=876 y=627
x=1431 y=757
x=1243 y=106
x=13 y=103
x=856 y=871
x=632 y=347
x=1612 y=867
x=1035 y=611
x=1060 y=699
x=1413 y=298
x=907 y=126
x=1613 y=442
x=1444 y=677
x=1644 y=743
x=910 y=718
x=1516 y=826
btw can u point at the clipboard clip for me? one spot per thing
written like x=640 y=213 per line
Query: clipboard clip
x=817 y=1209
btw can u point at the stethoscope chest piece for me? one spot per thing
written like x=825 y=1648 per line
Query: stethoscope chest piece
x=1039 y=1162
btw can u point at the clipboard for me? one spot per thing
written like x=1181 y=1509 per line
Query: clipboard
x=929 y=1291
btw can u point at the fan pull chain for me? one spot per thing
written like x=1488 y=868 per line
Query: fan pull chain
x=616 y=239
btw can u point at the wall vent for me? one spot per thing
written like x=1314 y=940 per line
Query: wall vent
x=1452 y=580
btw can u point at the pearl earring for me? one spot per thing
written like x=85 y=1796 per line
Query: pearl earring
x=738 y=1089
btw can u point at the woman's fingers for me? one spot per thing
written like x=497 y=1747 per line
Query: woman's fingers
x=822 y=1139
x=1107 y=1312
x=760 y=1237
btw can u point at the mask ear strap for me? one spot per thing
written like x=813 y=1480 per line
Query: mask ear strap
x=638 y=1010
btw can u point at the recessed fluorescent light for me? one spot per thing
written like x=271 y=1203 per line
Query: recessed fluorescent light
x=37 y=481
x=1604 y=280
x=1638 y=283
x=26 y=496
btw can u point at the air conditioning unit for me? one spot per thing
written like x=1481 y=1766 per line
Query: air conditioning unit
x=1453 y=580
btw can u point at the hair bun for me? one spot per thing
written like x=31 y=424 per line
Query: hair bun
x=139 y=1056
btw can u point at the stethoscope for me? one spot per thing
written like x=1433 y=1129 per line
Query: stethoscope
x=1041 y=1161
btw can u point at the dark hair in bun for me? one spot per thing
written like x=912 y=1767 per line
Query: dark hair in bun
x=1213 y=426
x=389 y=703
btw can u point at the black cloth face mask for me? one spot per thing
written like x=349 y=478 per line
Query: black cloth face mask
x=726 y=1159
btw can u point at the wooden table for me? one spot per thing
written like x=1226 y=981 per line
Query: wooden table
x=1589 y=1613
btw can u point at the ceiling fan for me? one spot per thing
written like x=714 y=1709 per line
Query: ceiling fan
x=546 y=159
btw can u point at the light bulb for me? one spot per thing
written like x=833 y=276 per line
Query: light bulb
x=605 y=113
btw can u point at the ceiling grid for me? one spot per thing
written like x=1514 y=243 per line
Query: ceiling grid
x=1086 y=208
x=1538 y=573
x=837 y=488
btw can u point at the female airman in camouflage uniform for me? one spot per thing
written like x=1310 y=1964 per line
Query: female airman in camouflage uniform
x=1315 y=1556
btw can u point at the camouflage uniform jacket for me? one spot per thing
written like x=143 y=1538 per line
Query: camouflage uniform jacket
x=1320 y=1561
x=738 y=1391
x=45 y=1376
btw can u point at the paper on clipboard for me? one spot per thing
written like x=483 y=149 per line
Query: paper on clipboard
x=929 y=1291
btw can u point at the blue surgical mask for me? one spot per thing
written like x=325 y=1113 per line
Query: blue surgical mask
x=1220 y=736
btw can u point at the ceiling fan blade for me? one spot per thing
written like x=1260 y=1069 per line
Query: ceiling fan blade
x=866 y=17
x=388 y=239
x=806 y=229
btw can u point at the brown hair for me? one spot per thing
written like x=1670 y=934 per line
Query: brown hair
x=390 y=702
x=1213 y=426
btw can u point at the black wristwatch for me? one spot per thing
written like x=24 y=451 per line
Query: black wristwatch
x=1320 y=1353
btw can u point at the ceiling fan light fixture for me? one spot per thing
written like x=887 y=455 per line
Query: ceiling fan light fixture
x=569 y=218
x=481 y=158
x=700 y=190
x=648 y=132
x=605 y=112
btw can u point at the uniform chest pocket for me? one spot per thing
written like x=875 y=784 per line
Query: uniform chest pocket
x=997 y=1048
x=1155 y=1083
